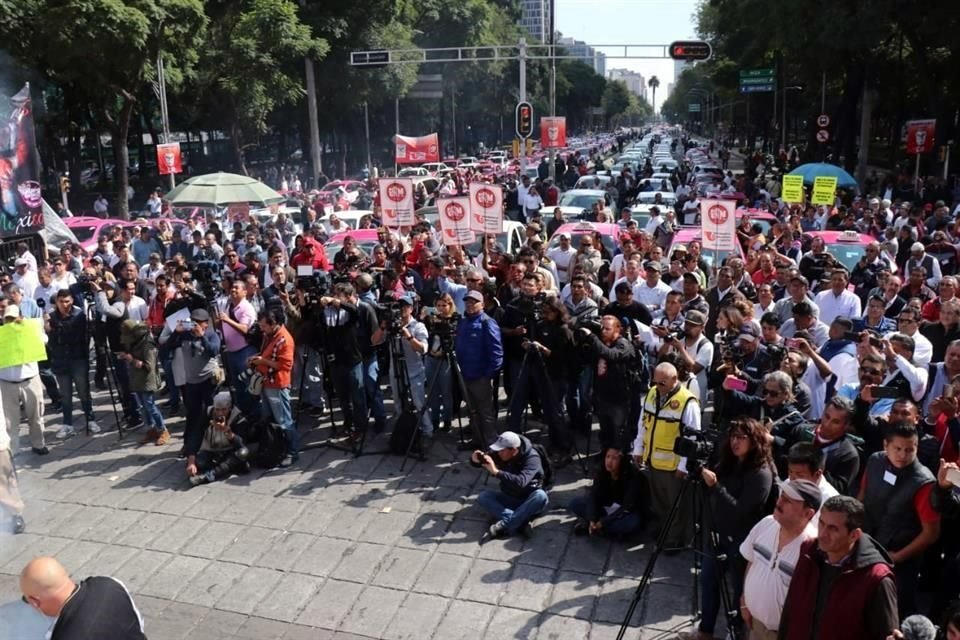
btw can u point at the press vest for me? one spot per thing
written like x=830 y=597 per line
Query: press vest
x=890 y=515
x=662 y=427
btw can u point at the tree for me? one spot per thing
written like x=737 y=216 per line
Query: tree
x=616 y=98
x=653 y=83
x=103 y=52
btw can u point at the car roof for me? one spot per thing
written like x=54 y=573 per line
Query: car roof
x=841 y=237
x=605 y=228
x=360 y=235
x=585 y=192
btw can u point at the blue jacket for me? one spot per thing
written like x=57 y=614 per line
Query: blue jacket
x=478 y=346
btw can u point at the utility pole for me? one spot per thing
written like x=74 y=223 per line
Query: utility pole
x=553 y=82
x=316 y=164
x=164 y=114
x=453 y=118
x=366 y=127
x=396 y=121
x=523 y=98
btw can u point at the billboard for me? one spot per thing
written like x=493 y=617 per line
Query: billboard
x=21 y=200
x=412 y=150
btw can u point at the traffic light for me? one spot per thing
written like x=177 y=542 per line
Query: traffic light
x=690 y=50
x=524 y=119
x=65 y=184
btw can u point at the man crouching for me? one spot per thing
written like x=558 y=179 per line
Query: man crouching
x=222 y=452
x=514 y=461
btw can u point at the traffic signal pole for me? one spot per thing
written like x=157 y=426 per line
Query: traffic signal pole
x=522 y=56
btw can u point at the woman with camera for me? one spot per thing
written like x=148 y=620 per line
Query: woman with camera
x=737 y=496
x=442 y=328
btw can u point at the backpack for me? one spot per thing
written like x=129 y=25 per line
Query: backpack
x=273 y=445
x=403 y=431
x=547 y=483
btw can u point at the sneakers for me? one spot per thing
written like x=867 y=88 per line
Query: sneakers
x=497 y=530
x=93 y=427
x=163 y=438
x=288 y=460
x=149 y=436
x=201 y=478
x=65 y=431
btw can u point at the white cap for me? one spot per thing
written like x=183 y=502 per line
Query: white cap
x=507 y=440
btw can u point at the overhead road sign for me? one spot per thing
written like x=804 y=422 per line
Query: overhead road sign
x=756 y=88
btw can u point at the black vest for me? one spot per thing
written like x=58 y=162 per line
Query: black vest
x=890 y=515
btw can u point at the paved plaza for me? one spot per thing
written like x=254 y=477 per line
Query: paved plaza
x=334 y=547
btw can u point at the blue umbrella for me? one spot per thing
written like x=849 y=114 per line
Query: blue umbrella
x=812 y=170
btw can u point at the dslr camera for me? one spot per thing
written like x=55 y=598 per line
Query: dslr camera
x=313 y=282
x=697 y=446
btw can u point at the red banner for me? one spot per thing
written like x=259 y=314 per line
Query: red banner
x=168 y=158
x=553 y=132
x=417 y=150
x=21 y=203
x=921 y=136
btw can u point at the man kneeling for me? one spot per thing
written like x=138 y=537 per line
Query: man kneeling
x=521 y=497
x=222 y=452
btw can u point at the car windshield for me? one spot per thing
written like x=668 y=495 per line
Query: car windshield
x=83 y=233
x=575 y=237
x=848 y=254
x=580 y=200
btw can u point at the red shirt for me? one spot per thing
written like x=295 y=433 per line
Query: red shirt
x=279 y=348
x=948 y=450
x=317 y=261
x=759 y=277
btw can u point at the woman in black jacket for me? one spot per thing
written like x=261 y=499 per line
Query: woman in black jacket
x=614 y=504
x=737 y=496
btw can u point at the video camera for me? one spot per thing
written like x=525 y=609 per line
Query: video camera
x=697 y=446
x=391 y=314
x=314 y=283
x=209 y=275
x=444 y=328
x=84 y=282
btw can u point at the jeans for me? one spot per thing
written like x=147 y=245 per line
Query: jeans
x=49 y=382
x=613 y=417
x=622 y=523
x=276 y=407
x=166 y=361
x=418 y=392
x=441 y=404
x=236 y=364
x=907 y=576
x=308 y=375
x=709 y=581
x=513 y=512
x=75 y=374
x=374 y=395
x=149 y=412
x=197 y=399
x=483 y=419
x=578 y=399
x=348 y=380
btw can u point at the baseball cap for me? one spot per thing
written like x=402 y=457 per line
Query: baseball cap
x=12 y=311
x=695 y=317
x=406 y=299
x=200 y=315
x=749 y=332
x=653 y=265
x=474 y=295
x=917 y=247
x=507 y=440
x=21 y=262
x=803 y=490
x=679 y=248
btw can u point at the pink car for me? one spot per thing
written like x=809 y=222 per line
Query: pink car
x=88 y=229
x=686 y=235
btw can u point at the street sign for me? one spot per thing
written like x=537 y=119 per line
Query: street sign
x=756 y=88
x=756 y=80
x=524 y=120
x=690 y=50
x=823 y=121
x=756 y=73
x=823 y=135
x=693 y=107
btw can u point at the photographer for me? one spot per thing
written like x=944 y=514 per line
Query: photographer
x=113 y=313
x=442 y=327
x=222 y=452
x=614 y=504
x=669 y=410
x=738 y=491
x=748 y=360
x=69 y=350
x=693 y=347
x=519 y=321
x=414 y=343
x=342 y=319
x=517 y=465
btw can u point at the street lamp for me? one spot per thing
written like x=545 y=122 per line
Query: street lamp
x=783 y=132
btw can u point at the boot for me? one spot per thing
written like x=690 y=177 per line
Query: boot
x=150 y=436
x=163 y=438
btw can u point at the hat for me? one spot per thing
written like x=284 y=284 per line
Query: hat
x=200 y=315
x=803 y=490
x=679 y=248
x=695 y=317
x=13 y=311
x=222 y=400
x=507 y=440
x=749 y=332
x=625 y=237
x=533 y=226
x=917 y=247
x=563 y=236
x=21 y=262
x=653 y=265
x=474 y=295
x=97 y=259
x=940 y=203
x=406 y=298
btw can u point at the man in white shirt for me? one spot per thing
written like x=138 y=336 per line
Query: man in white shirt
x=772 y=549
x=919 y=258
x=47 y=287
x=898 y=349
x=61 y=278
x=631 y=277
x=25 y=278
x=652 y=292
x=101 y=206
x=563 y=256
x=654 y=220
x=23 y=252
x=20 y=384
x=837 y=300
x=908 y=324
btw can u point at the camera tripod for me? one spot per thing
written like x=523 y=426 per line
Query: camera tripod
x=692 y=484
x=110 y=374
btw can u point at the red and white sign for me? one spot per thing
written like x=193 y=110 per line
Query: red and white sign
x=823 y=135
x=168 y=158
x=823 y=121
x=921 y=136
x=553 y=132
x=455 y=220
x=411 y=150
x=486 y=207
x=396 y=201
x=718 y=222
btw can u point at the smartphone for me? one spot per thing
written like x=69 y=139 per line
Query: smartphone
x=953 y=476
x=736 y=384
x=886 y=392
x=793 y=343
x=187 y=324
x=948 y=391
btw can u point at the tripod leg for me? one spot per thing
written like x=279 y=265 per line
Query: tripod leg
x=303 y=383
x=431 y=389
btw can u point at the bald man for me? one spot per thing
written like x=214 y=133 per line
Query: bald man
x=98 y=607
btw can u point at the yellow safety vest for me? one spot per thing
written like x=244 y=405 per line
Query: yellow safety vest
x=662 y=427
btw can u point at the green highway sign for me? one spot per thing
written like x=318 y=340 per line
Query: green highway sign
x=756 y=73
x=756 y=80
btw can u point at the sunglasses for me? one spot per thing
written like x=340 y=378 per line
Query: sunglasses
x=870 y=371
x=773 y=393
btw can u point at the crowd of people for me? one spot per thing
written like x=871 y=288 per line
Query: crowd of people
x=824 y=400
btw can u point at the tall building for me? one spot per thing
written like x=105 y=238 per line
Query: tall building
x=636 y=83
x=588 y=54
x=535 y=18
